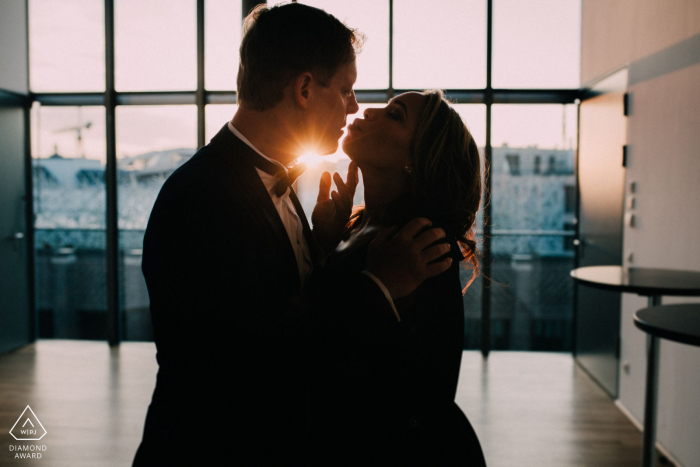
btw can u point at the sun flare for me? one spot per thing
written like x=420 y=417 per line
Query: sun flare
x=310 y=159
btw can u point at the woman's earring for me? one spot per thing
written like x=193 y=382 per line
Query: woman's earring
x=407 y=169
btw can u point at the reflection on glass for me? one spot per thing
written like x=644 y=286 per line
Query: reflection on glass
x=68 y=163
x=442 y=44
x=371 y=17
x=155 y=45
x=66 y=45
x=532 y=177
x=216 y=117
x=152 y=142
x=536 y=44
x=221 y=41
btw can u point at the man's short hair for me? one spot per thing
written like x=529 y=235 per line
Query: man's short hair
x=281 y=42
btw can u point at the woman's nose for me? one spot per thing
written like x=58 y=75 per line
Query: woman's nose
x=367 y=114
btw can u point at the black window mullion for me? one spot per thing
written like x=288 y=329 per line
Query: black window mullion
x=114 y=318
x=200 y=96
x=390 y=91
x=486 y=202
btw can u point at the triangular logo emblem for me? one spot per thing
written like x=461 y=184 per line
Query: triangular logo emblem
x=28 y=427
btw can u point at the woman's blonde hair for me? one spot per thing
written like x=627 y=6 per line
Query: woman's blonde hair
x=445 y=177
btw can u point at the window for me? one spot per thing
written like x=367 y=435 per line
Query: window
x=371 y=17
x=68 y=164
x=536 y=44
x=152 y=142
x=155 y=45
x=160 y=121
x=446 y=50
x=531 y=295
x=223 y=34
x=66 y=46
x=569 y=199
x=513 y=163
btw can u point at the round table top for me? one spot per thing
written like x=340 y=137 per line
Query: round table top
x=643 y=281
x=680 y=323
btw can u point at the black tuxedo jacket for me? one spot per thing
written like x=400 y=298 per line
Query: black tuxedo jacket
x=231 y=325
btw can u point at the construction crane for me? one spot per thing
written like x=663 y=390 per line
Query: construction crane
x=79 y=134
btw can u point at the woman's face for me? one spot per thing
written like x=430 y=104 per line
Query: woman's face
x=383 y=137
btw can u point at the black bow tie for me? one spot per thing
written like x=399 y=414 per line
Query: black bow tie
x=285 y=178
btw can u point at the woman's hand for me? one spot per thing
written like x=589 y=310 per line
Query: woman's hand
x=403 y=260
x=333 y=209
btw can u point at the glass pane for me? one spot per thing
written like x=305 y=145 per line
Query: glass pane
x=216 y=117
x=68 y=163
x=66 y=45
x=371 y=17
x=533 y=182
x=155 y=45
x=474 y=115
x=151 y=143
x=536 y=44
x=439 y=45
x=221 y=41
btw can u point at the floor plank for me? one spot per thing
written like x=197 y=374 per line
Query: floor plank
x=529 y=409
x=540 y=409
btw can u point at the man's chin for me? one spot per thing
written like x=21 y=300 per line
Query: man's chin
x=327 y=150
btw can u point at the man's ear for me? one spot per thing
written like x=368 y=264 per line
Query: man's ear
x=302 y=89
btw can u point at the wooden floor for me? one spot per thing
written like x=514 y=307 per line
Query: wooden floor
x=529 y=409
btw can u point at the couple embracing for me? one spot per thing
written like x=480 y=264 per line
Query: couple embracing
x=338 y=343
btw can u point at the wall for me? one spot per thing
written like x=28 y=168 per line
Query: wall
x=617 y=33
x=13 y=53
x=660 y=42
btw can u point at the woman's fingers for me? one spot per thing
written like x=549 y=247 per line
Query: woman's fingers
x=341 y=186
x=337 y=201
x=352 y=178
x=324 y=187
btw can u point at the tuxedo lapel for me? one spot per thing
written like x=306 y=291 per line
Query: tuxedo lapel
x=261 y=206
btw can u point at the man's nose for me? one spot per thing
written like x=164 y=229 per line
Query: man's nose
x=353 y=106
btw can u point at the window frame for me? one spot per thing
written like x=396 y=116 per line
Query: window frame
x=201 y=97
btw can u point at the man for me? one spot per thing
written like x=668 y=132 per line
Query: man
x=228 y=251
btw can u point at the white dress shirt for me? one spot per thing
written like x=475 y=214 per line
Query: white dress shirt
x=288 y=214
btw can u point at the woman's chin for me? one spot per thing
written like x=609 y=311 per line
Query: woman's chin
x=348 y=149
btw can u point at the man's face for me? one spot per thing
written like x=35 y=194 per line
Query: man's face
x=329 y=109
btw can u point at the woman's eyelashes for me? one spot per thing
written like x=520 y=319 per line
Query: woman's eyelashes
x=395 y=114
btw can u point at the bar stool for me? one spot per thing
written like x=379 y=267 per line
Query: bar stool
x=679 y=323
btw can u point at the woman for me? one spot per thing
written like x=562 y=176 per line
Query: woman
x=391 y=401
